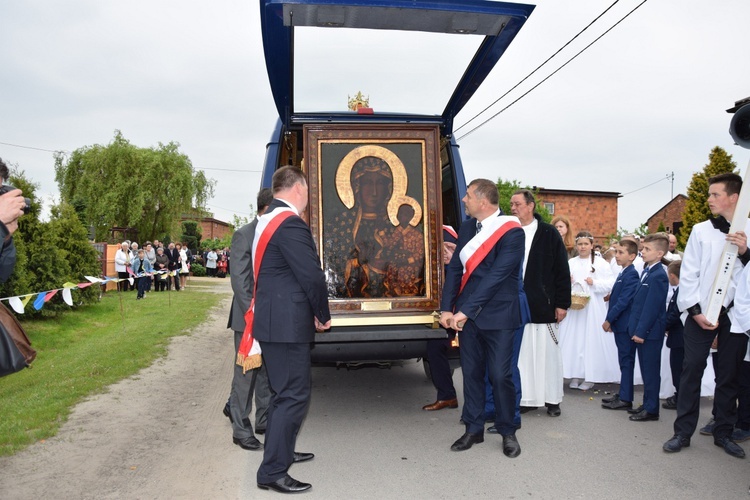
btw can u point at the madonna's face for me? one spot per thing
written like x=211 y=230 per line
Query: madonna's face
x=374 y=190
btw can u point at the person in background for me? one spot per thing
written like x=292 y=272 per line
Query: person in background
x=211 y=258
x=122 y=262
x=589 y=354
x=161 y=264
x=562 y=224
x=184 y=265
x=675 y=330
x=142 y=266
x=174 y=267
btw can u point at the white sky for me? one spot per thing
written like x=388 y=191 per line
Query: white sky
x=645 y=101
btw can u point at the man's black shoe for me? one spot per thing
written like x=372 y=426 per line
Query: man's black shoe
x=644 y=416
x=617 y=404
x=633 y=411
x=526 y=409
x=670 y=403
x=730 y=447
x=553 y=410
x=511 y=448
x=248 y=443
x=676 y=443
x=302 y=457
x=611 y=398
x=467 y=441
x=286 y=484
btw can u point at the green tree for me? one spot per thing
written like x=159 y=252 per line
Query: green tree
x=123 y=185
x=696 y=206
x=191 y=235
x=506 y=189
x=70 y=236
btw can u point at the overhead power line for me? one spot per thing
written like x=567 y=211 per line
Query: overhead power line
x=553 y=73
x=538 y=67
x=68 y=152
x=668 y=177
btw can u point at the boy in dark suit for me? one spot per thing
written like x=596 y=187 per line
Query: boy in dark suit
x=675 y=330
x=647 y=322
x=618 y=317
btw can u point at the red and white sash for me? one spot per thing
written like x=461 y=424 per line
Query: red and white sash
x=475 y=251
x=249 y=353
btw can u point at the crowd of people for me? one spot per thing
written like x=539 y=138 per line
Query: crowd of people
x=163 y=267
x=532 y=305
x=612 y=314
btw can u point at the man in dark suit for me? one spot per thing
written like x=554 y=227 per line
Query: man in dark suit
x=244 y=384
x=174 y=266
x=675 y=330
x=481 y=301
x=291 y=303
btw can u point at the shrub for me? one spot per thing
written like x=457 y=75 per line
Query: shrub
x=198 y=270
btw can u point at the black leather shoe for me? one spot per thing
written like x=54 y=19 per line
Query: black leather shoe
x=302 y=457
x=527 y=409
x=467 y=441
x=730 y=447
x=611 y=398
x=511 y=448
x=670 y=403
x=248 y=443
x=676 y=443
x=492 y=430
x=617 y=404
x=286 y=484
x=633 y=411
x=228 y=413
x=644 y=416
x=553 y=410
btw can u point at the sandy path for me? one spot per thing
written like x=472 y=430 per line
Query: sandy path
x=150 y=436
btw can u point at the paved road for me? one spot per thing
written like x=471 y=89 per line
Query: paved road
x=161 y=434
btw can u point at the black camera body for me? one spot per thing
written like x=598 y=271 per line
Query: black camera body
x=5 y=188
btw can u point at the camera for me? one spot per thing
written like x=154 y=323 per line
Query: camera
x=5 y=188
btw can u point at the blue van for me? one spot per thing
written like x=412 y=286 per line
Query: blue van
x=385 y=186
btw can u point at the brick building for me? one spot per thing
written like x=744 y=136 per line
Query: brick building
x=210 y=227
x=593 y=211
x=670 y=215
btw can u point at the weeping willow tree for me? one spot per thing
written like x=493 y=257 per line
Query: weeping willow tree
x=123 y=185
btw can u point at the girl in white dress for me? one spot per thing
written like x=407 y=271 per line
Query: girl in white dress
x=589 y=353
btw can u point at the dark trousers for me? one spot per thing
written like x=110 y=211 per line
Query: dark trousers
x=160 y=282
x=626 y=350
x=143 y=284
x=288 y=368
x=732 y=348
x=649 y=359
x=440 y=368
x=123 y=286
x=241 y=397
x=743 y=405
x=730 y=355
x=490 y=350
x=676 y=355
x=489 y=405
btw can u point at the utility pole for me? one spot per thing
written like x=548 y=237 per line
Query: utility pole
x=671 y=192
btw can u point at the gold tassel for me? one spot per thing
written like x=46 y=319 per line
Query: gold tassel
x=250 y=362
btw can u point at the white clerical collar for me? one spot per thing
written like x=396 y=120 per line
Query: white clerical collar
x=496 y=213
x=291 y=205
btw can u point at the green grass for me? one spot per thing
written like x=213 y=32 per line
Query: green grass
x=83 y=351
